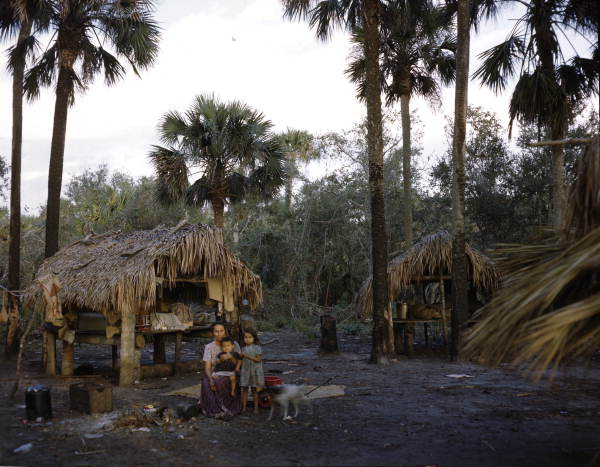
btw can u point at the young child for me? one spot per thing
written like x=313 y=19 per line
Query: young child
x=252 y=376
x=228 y=362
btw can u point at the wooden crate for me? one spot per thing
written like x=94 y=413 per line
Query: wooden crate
x=91 y=397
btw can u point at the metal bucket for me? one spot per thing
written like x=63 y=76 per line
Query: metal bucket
x=37 y=402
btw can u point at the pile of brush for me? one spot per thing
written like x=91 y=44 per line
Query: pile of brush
x=548 y=311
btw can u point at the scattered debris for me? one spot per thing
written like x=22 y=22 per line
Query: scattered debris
x=93 y=435
x=143 y=428
x=24 y=448
x=87 y=453
x=488 y=445
x=459 y=376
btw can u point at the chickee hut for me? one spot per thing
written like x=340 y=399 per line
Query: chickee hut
x=118 y=288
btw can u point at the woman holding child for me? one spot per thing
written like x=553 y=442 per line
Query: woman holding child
x=219 y=397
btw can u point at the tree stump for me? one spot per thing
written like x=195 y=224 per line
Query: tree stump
x=328 y=335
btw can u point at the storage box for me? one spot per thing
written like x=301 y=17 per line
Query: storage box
x=91 y=397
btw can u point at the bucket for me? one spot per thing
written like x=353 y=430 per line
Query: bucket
x=37 y=402
x=273 y=381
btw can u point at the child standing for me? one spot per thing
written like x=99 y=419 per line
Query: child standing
x=252 y=375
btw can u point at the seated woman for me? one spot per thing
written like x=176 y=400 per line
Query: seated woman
x=218 y=398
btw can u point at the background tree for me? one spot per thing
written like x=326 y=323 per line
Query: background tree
x=82 y=31
x=298 y=146
x=324 y=16
x=548 y=85
x=417 y=55
x=229 y=145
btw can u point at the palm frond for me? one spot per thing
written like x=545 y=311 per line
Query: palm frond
x=41 y=74
x=199 y=193
x=22 y=51
x=500 y=63
x=172 y=173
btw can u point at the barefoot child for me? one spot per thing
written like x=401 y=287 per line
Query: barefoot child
x=252 y=376
x=228 y=362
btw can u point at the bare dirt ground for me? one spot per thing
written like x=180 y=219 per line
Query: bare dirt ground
x=408 y=413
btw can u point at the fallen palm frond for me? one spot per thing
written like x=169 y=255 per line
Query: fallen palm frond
x=548 y=312
x=431 y=256
x=116 y=271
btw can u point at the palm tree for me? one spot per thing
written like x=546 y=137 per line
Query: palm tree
x=548 y=85
x=17 y=17
x=89 y=36
x=324 y=16
x=417 y=53
x=459 y=262
x=298 y=146
x=229 y=145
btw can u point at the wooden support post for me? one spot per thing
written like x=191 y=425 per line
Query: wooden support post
x=68 y=359
x=444 y=323
x=178 y=339
x=115 y=356
x=328 y=335
x=50 y=353
x=409 y=339
x=158 y=354
x=398 y=330
x=127 y=371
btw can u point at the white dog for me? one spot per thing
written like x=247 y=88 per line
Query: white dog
x=283 y=395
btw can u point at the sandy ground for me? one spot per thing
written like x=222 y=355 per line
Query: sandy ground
x=409 y=413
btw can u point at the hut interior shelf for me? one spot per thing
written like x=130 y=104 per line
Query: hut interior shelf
x=118 y=288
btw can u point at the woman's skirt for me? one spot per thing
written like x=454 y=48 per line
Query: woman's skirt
x=219 y=403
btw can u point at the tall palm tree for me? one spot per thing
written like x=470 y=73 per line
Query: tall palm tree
x=298 y=146
x=548 y=85
x=17 y=17
x=417 y=53
x=324 y=16
x=89 y=37
x=230 y=145
x=459 y=262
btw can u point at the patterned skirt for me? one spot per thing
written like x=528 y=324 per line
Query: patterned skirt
x=219 y=403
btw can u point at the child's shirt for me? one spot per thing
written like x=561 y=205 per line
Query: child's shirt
x=229 y=364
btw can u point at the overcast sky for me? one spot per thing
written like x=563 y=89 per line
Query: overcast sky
x=237 y=49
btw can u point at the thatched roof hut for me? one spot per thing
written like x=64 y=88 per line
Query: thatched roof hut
x=128 y=277
x=548 y=311
x=431 y=256
x=112 y=272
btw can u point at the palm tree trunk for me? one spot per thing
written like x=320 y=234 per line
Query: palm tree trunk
x=459 y=261
x=57 y=153
x=406 y=170
x=555 y=128
x=218 y=207
x=558 y=179
x=14 y=243
x=383 y=343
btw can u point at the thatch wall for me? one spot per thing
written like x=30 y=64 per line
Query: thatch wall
x=548 y=312
x=113 y=272
x=428 y=257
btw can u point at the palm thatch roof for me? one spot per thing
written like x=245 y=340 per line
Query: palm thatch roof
x=116 y=271
x=431 y=256
x=548 y=313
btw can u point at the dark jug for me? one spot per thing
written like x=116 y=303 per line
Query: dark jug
x=37 y=402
